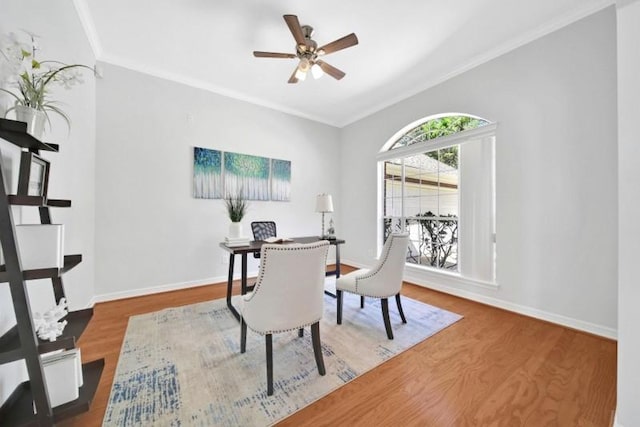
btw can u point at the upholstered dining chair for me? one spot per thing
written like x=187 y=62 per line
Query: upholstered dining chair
x=261 y=230
x=288 y=296
x=382 y=281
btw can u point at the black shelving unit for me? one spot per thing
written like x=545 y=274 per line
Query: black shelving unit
x=21 y=341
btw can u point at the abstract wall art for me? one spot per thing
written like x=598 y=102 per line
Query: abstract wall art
x=207 y=173
x=280 y=180
x=246 y=174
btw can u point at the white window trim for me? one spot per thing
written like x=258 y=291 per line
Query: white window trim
x=442 y=142
x=446 y=277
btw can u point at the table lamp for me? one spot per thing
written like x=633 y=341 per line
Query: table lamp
x=324 y=204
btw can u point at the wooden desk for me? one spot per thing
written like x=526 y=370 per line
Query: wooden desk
x=255 y=247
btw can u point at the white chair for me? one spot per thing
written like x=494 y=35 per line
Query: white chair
x=289 y=295
x=382 y=281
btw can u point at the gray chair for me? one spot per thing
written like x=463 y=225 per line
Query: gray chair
x=383 y=280
x=262 y=230
x=289 y=295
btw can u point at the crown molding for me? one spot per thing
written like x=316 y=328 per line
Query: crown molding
x=203 y=85
x=623 y=3
x=89 y=27
x=558 y=23
x=550 y=27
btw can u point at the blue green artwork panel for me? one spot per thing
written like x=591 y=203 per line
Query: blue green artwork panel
x=247 y=175
x=280 y=180
x=207 y=173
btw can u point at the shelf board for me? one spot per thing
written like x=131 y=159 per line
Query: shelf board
x=10 y=346
x=18 y=409
x=16 y=199
x=58 y=203
x=16 y=133
x=77 y=321
x=21 y=200
x=70 y=261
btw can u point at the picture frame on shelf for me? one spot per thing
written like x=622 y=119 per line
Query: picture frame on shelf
x=33 y=179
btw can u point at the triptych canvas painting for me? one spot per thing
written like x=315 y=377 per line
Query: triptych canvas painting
x=217 y=174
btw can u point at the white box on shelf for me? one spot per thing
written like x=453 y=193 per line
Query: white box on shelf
x=63 y=375
x=40 y=245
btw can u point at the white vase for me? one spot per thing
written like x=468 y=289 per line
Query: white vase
x=33 y=118
x=235 y=230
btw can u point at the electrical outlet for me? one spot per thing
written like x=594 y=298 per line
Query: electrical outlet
x=225 y=259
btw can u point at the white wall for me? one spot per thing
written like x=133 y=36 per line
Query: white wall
x=150 y=231
x=72 y=176
x=628 y=410
x=556 y=160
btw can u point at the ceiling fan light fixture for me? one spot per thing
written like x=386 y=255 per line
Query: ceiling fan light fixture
x=316 y=71
x=304 y=65
x=301 y=75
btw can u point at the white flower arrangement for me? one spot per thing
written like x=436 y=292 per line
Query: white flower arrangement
x=30 y=78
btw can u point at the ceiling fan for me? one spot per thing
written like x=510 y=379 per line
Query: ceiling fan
x=307 y=51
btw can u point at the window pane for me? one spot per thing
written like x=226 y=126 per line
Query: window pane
x=391 y=225
x=438 y=127
x=429 y=204
x=448 y=204
x=412 y=205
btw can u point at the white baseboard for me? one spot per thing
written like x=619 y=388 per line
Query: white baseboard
x=451 y=289
x=111 y=296
x=163 y=288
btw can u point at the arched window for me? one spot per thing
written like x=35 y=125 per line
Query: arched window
x=437 y=182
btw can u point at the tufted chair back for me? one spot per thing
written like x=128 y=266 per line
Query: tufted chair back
x=289 y=291
x=384 y=279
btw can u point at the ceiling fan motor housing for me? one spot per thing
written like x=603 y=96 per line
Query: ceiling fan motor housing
x=308 y=49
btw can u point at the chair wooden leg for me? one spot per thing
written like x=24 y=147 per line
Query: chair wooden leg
x=301 y=332
x=404 y=320
x=385 y=316
x=269 y=364
x=361 y=301
x=243 y=335
x=339 y=309
x=317 y=347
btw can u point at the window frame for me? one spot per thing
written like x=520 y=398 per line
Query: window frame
x=458 y=138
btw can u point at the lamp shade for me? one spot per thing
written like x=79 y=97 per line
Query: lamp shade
x=324 y=203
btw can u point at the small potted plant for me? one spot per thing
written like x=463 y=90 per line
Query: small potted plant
x=31 y=80
x=236 y=208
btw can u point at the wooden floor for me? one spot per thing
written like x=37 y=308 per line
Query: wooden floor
x=493 y=368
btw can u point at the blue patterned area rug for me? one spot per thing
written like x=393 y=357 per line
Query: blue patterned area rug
x=183 y=367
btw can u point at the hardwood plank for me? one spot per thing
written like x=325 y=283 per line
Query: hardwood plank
x=493 y=368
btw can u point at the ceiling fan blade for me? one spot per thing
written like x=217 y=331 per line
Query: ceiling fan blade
x=259 y=54
x=293 y=78
x=343 y=43
x=294 y=27
x=331 y=70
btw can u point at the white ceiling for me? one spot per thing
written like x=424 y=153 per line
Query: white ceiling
x=405 y=46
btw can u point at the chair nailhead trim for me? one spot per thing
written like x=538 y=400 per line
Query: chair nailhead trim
x=263 y=254
x=379 y=267
x=283 y=330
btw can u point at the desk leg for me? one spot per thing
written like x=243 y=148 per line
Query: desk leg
x=244 y=274
x=233 y=310
x=336 y=272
